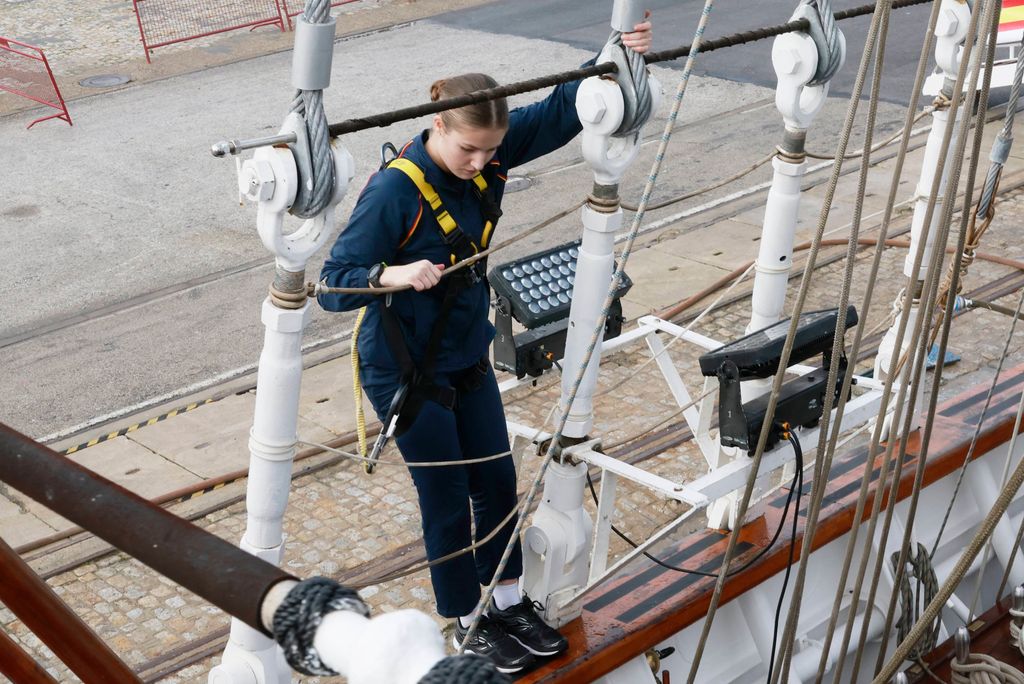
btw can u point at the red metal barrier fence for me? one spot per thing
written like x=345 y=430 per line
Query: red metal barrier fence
x=290 y=12
x=165 y=22
x=24 y=71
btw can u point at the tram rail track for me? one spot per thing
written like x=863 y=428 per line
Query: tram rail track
x=636 y=451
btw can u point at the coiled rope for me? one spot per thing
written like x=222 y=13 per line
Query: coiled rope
x=300 y=614
x=312 y=196
x=465 y=669
x=984 y=669
x=911 y=601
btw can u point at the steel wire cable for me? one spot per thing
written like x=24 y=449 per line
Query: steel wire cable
x=984 y=37
x=874 y=51
x=1020 y=529
x=313 y=197
x=706 y=45
x=638 y=105
x=599 y=327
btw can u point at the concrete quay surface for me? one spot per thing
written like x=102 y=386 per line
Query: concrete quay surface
x=341 y=522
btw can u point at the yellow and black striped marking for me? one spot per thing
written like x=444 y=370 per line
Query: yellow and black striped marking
x=206 y=490
x=132 y=428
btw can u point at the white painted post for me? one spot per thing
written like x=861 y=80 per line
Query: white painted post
x=271 y=179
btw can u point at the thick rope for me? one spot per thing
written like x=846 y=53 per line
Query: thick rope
x=300 y=614
x=873 y=53
x=901 y=405
x=1017 y=618
x=465 y=669
x=984 y=669
x=985 y=211
x=312 y=198
x=599 y=327
x=987 y=27
x=854 y=353
x=963 y=564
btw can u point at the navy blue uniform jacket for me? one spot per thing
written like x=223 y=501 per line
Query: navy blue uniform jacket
x=391 y=223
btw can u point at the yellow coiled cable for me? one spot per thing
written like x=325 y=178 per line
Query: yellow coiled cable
x=357 y=389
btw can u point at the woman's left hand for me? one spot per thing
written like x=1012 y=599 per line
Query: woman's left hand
x=639 y=40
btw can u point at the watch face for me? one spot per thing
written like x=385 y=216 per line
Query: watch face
x=373 y=275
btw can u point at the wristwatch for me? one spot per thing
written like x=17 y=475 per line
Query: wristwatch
x=374 y=273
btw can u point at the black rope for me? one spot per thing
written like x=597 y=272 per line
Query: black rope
x=406 y=113
x=465 y=669
x=299 y=615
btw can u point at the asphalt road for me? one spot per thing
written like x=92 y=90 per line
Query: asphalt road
x=133 y=276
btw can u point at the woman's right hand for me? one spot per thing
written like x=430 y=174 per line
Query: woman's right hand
x=419 y=275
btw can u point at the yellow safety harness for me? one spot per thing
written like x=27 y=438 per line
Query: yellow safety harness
x=417 y=382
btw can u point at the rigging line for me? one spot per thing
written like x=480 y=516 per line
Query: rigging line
x=1020 y=532
x=977 y=429
x=410 y=464
x=987 y=31
x=795 y=486
x=676 y=338
x=901 y=401
x=651 y=428
x=764 y=160
x=387 y=118
x=874 y=54
x=599 y=327
x=931 y=611
x=888 y=384
x=784 y=360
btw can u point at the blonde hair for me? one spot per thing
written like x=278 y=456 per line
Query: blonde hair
x=491 y=114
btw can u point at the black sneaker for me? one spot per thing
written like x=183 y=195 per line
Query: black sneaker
x=490 y=640
x=523 y=624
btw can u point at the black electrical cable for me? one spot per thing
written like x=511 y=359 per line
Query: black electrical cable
x=799 y=477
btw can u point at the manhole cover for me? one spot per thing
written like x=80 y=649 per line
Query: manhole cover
x=105 y=81
x=517 y=183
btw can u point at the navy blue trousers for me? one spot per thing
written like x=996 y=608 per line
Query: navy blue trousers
x=475 y=429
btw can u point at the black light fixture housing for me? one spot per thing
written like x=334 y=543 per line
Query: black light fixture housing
x=758 y=355
x=537 y=291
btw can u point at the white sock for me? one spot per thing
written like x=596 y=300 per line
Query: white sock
x=465 y=621
x=506 y=595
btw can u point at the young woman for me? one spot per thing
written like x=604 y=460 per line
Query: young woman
x=426 y=347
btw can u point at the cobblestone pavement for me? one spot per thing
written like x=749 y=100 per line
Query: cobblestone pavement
x=340 y=520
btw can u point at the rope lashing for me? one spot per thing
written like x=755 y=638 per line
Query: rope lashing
x=985 y=211
x=313 y=193
x=823 y=30
x=300 y=614
x=631 y=75
x=910 y=604
x=465 y=669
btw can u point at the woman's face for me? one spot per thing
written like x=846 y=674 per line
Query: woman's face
x=465 y=152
